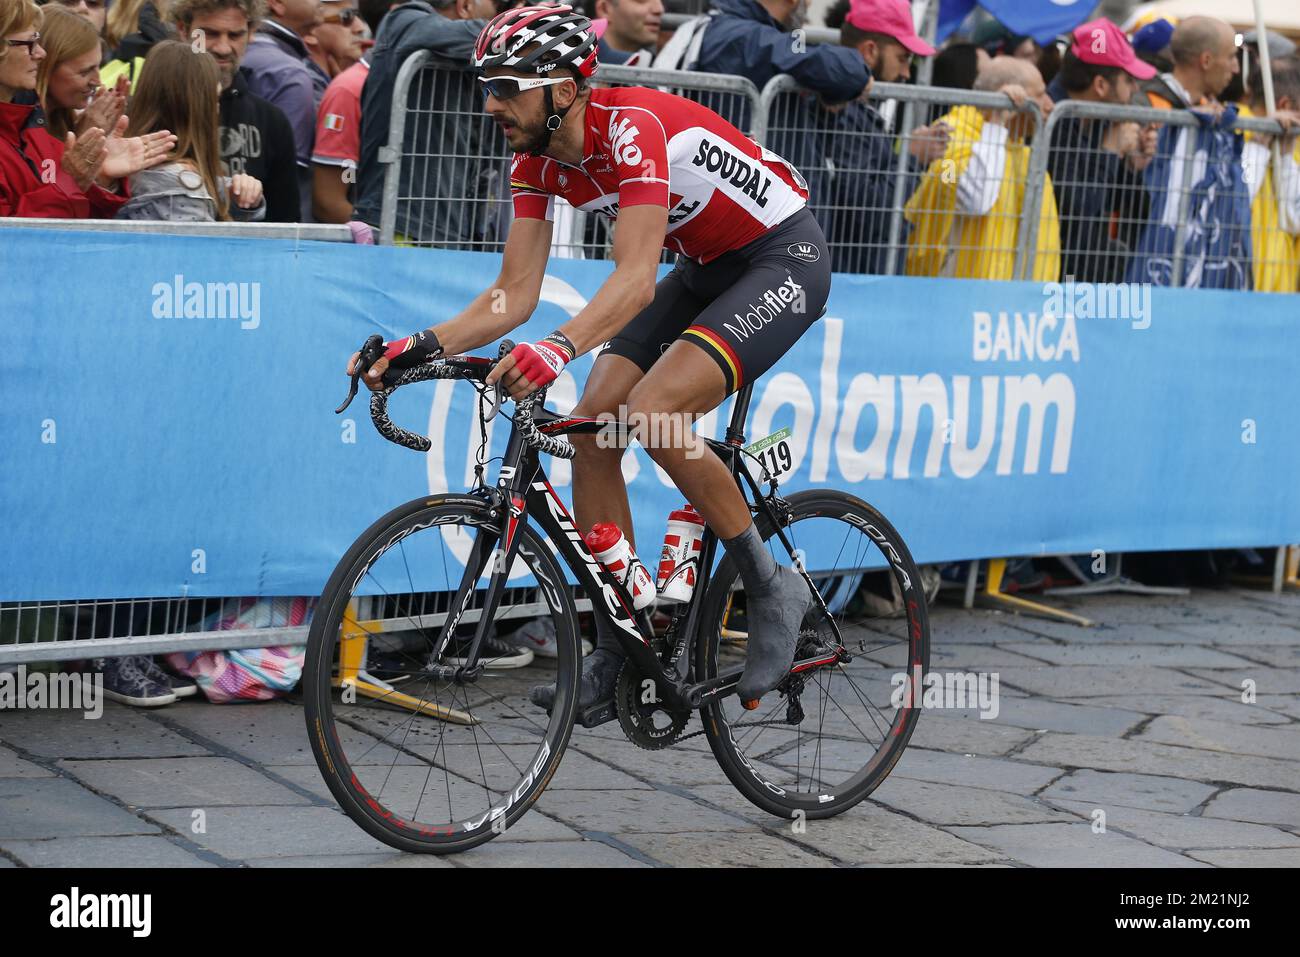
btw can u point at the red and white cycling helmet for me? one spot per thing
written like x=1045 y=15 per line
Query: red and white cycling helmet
x=537 y=40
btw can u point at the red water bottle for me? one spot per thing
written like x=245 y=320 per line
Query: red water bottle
x=679 y=565
x=612 y=549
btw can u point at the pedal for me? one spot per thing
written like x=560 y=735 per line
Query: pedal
x=597 y=714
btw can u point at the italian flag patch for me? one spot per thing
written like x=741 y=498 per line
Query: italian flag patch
x=333 y=122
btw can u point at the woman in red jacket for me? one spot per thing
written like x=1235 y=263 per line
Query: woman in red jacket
x=39 y=175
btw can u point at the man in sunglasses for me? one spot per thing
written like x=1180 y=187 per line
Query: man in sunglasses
x=752 y=277
x=338 y=122
x=335 y=44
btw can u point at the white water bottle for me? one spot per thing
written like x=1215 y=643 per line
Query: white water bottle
x=612 y=549
x=679 y=565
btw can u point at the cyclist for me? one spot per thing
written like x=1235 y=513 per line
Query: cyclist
x=752 y=276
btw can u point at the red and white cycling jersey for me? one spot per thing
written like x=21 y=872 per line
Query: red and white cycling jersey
x=644 y=147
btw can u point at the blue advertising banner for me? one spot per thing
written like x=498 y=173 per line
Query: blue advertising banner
x=167 y=426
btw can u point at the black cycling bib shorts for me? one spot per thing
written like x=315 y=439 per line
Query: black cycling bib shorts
x=745 y=309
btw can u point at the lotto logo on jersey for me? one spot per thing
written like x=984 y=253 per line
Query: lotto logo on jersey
x=622 y=137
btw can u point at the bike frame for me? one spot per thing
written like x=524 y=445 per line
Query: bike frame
x=523 y=491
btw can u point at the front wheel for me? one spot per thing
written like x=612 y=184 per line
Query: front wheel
x=839 y=729
x=422 y=762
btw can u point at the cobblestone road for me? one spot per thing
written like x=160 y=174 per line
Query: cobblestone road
x=1142 y=719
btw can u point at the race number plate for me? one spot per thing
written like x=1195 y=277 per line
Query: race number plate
x=773 y=452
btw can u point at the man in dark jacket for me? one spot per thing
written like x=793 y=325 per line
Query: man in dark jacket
x=752 y=38
x=855 y=208
x=1096 y=165
x=452 y=176
x=255 y=135
x=282 y=72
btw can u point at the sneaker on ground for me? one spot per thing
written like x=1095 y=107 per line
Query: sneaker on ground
x=128 y=680
x=182 y=687
x=539 y=636
x=495 y=654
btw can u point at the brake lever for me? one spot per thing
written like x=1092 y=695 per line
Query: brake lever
x=498 y=399
x=369 y=355
x=498 y=391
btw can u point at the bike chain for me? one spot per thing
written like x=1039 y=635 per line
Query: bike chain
x=749 y=724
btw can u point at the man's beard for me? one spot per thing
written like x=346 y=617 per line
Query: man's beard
x=535 y=136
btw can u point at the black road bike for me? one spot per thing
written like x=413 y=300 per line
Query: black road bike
x=430 y=748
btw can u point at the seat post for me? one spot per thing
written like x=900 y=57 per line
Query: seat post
x=736 y=427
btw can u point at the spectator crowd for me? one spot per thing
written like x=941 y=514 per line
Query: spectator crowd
x=109 y=113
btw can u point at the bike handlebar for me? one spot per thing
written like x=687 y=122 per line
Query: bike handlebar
x=460 y=367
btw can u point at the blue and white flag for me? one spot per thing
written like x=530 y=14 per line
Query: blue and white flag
x=1041 y=19
x=1215 y=215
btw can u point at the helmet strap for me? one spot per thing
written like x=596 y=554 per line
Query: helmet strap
x=554 y=118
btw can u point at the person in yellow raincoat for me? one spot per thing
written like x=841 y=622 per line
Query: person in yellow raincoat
x=966 y=213
x=1274 y=213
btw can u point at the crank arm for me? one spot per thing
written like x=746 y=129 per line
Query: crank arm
x=704 y=692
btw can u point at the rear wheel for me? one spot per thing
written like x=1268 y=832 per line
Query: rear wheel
x=421 y=762
x=839 y=730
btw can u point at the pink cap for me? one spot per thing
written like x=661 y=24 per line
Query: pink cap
x=598 y=27
x=1101 y=43
x=890 y=17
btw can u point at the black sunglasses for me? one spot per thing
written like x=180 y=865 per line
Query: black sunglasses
x=31 y=44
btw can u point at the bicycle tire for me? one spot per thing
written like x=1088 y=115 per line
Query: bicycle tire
x=324 y=716
x=753 y=782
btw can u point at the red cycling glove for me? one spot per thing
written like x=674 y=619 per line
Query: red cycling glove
x=542 y=362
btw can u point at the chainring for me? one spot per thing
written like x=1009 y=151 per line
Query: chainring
x=649 y=725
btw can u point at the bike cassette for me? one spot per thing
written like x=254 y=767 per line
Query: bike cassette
x=645 y=719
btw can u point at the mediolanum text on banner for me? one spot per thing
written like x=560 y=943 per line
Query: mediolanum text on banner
x=168 y=425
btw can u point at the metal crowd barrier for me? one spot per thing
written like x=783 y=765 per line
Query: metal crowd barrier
x=885 y=192
x=447 y=179
x=315 y=232
x=39 y=631
x=446 y=185
x=1079 y=151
